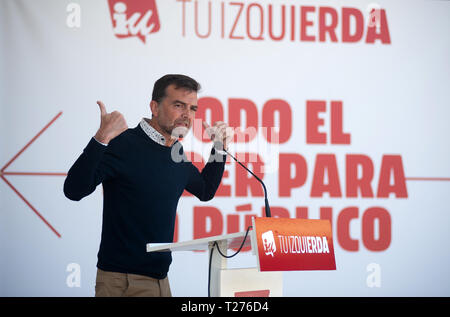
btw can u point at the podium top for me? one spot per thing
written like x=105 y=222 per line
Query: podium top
x=233 y=241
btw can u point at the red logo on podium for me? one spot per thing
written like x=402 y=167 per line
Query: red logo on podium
x=294 y=244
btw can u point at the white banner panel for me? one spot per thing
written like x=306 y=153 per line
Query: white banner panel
x=356 y=93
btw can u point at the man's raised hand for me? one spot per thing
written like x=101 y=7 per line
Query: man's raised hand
x=111 y=124
x=220 y=132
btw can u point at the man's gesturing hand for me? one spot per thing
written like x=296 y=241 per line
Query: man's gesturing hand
x=111 y=125
x=220 y=133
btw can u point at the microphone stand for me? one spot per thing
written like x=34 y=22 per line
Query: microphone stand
x=268 y=214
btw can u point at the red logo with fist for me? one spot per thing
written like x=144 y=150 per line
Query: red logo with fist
x=134 y=18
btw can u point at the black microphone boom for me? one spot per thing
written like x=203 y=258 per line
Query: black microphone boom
x=262 y=183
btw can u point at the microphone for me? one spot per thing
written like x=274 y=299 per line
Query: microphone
x=268 y=214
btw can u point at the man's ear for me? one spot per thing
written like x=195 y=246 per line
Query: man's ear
x=154 y=108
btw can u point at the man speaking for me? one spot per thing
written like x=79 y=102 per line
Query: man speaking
x=142 y=184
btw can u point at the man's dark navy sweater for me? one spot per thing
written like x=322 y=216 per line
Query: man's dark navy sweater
x=142 y=184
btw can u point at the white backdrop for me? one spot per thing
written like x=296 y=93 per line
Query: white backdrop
x=59 y=57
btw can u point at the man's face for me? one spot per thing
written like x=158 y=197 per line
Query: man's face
x=175 y=113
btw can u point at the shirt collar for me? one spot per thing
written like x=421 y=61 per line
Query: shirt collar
x=152 y=133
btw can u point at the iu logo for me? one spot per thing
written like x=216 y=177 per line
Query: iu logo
x=269 y=243
x=134 y=18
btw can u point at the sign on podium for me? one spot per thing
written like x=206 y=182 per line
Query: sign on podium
x=293 y=244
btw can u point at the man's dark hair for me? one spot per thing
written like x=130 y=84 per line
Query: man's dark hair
x=180 y=81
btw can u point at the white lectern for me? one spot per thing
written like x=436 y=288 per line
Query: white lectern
x=226 y=282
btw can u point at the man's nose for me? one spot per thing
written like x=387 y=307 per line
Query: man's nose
x=186 y=113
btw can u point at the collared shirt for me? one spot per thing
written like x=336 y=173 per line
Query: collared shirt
x=158 y=138
x=152 y=133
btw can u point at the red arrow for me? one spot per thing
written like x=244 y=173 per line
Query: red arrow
x=3 y=173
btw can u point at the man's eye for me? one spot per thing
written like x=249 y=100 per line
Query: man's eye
x=194 y=109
